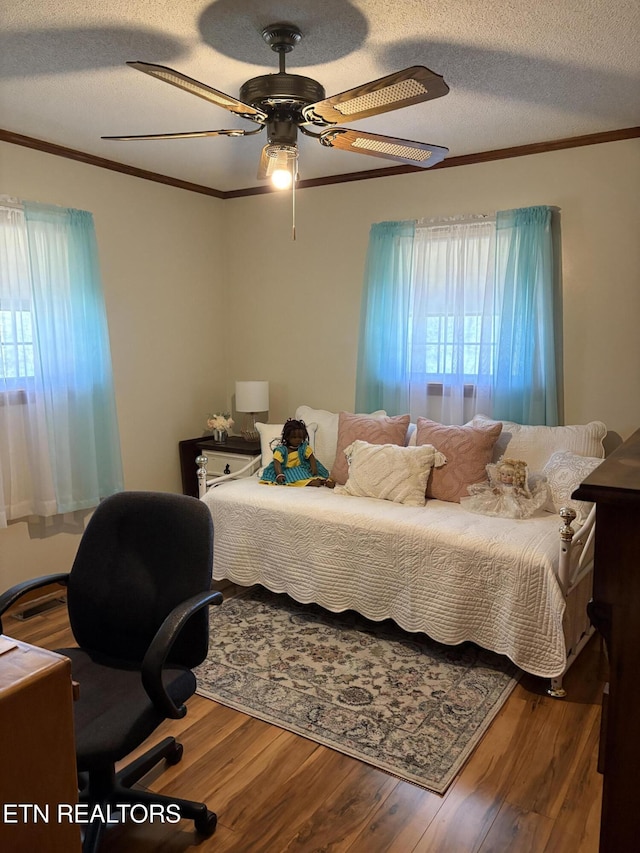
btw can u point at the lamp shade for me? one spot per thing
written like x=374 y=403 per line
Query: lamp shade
x=252 y=396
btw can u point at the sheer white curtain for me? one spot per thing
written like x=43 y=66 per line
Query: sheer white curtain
x=454 y=319
x=26 y=481
x=59 y=445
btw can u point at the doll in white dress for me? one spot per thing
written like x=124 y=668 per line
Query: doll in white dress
x=508 y=492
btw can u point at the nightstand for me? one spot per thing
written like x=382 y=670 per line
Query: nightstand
x=232 y=454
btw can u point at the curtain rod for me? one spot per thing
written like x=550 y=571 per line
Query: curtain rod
x=458 y=219
x=10 y=202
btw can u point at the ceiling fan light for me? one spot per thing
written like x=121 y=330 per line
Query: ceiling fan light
x=281 y=179
x=284 y=163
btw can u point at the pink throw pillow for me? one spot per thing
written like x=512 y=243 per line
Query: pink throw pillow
x=386 y=430
x=468 y=449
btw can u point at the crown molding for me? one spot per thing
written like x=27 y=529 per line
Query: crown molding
x=102 y=163
x=449 y=163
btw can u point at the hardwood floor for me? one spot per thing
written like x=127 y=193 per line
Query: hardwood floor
x=531 y=786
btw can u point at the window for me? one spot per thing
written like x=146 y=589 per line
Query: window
x=478 y=335
x=452 y=320
x=59 y=448
x=457 y=318
x=16 y=343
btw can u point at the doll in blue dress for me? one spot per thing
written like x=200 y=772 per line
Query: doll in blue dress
x=294 y=463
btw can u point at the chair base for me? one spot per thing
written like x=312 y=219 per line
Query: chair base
x=103 y=791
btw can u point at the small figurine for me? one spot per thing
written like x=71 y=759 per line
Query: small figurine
x=508 y=492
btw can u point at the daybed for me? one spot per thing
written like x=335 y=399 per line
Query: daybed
x=517 y=587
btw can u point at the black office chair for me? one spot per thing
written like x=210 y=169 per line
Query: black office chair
x=137 y=597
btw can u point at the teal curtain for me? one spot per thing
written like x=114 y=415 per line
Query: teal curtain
x=521 y=306
x=383 y=351
x=72 y=355
x=525 y=387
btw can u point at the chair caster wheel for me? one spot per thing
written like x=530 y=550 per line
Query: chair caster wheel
x=176 y=755
x=206 y=824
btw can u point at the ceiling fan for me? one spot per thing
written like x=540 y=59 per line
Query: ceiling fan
x=284 y=103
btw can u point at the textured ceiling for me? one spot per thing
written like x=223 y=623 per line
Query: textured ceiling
x=519 y=72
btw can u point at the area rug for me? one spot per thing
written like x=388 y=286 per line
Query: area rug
x=398 y=701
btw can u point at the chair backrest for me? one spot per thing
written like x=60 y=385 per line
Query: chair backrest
x=141 y=555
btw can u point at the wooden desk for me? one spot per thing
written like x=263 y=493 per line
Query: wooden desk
x=38 y=760
x=615 y=611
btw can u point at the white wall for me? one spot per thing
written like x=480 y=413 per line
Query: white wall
x=301 y=334
x=202 y=292
x=163 y=271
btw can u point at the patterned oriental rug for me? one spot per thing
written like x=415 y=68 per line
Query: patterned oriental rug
x=400 y=702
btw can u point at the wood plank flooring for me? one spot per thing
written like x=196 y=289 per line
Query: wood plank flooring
x=531 y=786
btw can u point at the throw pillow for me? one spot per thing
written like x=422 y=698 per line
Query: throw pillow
x=535 y=444
x=384 y=430
x=468 y=449
x=389 y=472
x=327 y=432
x=269 y=432
x=564 y=472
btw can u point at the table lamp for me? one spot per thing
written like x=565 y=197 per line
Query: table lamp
x=252 y=397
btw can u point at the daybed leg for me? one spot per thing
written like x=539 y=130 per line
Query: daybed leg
x=555 y=689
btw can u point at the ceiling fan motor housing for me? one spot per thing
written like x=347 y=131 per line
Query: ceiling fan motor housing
x=272 y=90
x=282 y=97
x=282 y=130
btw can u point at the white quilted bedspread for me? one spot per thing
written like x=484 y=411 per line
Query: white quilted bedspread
x=453 y=574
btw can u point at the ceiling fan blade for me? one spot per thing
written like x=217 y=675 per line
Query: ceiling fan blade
x=401 y=89
x=188 y=84
x=390 y=147
x=194 y=134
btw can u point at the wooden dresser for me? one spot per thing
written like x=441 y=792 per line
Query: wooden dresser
x=615 y=611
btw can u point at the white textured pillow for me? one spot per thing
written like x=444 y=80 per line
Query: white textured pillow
x=327 y=431
x=390 y=472
x=535 y=444
x=267 y=434
x=564 y=472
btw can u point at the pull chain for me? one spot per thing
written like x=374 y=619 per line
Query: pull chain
x=293 y=205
